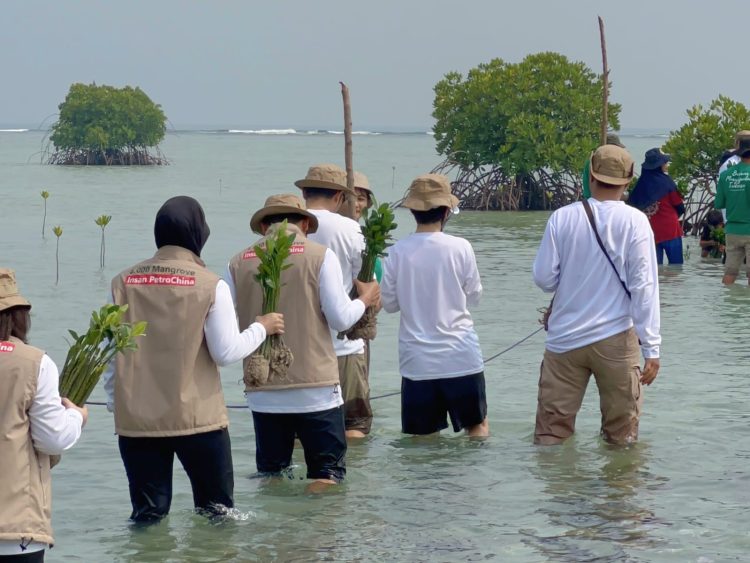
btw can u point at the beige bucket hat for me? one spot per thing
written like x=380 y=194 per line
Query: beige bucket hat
x=744 y=134
x=9 y=295
x=612 y=165
x=279 y=205
x=361 y=181
x=430 y=191
x=327 y=176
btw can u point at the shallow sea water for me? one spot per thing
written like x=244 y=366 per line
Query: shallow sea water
x=681 y=494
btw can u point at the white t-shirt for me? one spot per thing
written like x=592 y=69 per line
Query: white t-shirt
x=590 y=302
x=344 y=237
x=432 y=278
x=731 y=161
x=340 y=313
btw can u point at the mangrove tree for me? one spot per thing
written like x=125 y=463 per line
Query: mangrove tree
x=518 y=134
x=104 y=125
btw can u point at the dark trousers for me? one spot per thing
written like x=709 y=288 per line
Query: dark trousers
x=33 y=557
x=206 y=458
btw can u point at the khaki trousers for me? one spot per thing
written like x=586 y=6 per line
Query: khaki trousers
x=355 y=390
x=614 y=362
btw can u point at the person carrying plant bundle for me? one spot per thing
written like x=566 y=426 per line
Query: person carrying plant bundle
x=713 y=239
x=432 y=279
x=612 y=139
x=599 y=258
x=166 y=395
x=733 y=194
x=364 y=202
x=305 y=401
x=35 y=423
x=324 y=190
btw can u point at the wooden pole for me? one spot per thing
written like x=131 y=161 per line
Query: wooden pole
x=605 y=85
x=347 y=209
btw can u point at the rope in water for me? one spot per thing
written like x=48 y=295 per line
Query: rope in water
x=486 y=361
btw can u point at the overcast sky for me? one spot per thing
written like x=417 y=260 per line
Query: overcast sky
x=276 y=64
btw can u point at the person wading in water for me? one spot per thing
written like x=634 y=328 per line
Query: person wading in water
x=166 y=395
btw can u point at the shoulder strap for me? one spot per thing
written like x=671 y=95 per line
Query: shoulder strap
x=590 y=215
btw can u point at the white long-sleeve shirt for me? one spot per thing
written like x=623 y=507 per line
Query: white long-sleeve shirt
x=340 y=313
x=432 y=278
x=54 y=430
x=590 y=302
x=344 y=237
x=225 y=342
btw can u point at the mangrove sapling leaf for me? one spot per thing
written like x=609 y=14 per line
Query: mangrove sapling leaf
x=91 y=352
x=58 y=233
x=379 y=224
x=45 y=196
x=273 y=254
x=102 y=221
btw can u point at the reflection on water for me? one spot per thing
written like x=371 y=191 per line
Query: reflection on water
x=593 y=506
x=682 y=494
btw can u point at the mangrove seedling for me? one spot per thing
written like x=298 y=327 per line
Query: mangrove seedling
x=45 y=195
x=273 y=357
x=91 y=352
x=102 y=221
x=379 y=224
x=58 y=233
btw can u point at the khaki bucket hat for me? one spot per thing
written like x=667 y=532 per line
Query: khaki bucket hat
x=430 y=191
x=279 y=205
x=9 y=295
x=361 y=181
x=327 y=176
x=744 y=134
x=612 y=165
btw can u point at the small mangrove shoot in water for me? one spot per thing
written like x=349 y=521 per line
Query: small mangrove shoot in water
x=58 y=233
x=102 y=221
x=274 y=357
x=379 y=224
x=91 y=352
x=45 y=195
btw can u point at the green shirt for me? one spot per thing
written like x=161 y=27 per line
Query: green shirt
x=585 y=180
x=378 y=269
x=733 y=194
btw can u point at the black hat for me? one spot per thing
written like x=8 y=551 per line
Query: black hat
x=655 y=159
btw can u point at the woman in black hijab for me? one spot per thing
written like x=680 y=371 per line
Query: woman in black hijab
x=181 y=222
x=166 y=395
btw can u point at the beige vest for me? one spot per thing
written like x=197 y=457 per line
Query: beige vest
x=170 y=385
x=25 y=491
x=306 y=330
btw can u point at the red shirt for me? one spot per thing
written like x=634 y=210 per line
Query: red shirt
x=663 y=217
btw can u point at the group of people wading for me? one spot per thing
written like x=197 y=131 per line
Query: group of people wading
x=598 y=256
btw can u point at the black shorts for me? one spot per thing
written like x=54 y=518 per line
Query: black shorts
x=425 y=404
x=321 y=434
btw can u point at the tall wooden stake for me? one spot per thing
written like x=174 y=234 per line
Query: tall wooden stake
x=605 y=85
x=347 y=209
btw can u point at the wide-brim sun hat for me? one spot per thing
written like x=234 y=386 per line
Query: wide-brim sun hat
x=744 y=134
x=655 y=158
x=614 y=139
x=282 y=204
x=327 y=176
x=430 y=191
x=9 y=294
x=612 y=165
x=361 y=182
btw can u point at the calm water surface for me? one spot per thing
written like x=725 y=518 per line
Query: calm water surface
x=681 y=494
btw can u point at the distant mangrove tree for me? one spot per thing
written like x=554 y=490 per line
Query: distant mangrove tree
x=696 y=150
x=518 y=134
x=103 y=125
